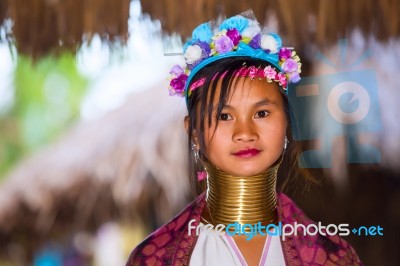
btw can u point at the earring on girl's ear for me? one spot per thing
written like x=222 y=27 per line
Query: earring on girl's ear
x=286 y=143
x=201 y=175
x=195 y=153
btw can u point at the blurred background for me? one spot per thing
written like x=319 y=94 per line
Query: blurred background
x=92 y=148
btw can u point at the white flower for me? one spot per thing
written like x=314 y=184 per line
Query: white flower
x=270 y=43
x=192 y=54
x=252 y=29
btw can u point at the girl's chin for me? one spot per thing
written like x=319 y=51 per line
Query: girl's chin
x=247 y=169
x=242 y=167
x=245 y=172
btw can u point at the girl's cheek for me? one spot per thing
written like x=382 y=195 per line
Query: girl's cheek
x=223 y=130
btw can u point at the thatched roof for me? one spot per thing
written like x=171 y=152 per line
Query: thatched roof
x=44 y=26
x=123 y=161
x=303 y=22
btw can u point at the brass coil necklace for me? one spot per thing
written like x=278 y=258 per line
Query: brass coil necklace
x=246 y=200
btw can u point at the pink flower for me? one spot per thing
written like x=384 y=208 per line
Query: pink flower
x=260 y=73
x=253 y=72
x=223 y=44
x=281 y=78
x=270 y=73
x=178 y=84
x=242 y=72
x=285 y=53
x=234 y=35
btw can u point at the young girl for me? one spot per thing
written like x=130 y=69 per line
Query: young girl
x=234 y=83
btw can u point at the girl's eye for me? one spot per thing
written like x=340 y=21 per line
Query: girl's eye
x=262 y=114
x=224 y=117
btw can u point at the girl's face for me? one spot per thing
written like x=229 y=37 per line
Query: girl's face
x=251 y=131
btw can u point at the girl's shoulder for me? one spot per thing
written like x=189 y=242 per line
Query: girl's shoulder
x=317 y=248
x=170 y=243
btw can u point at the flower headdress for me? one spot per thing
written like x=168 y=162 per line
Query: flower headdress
x=235 y=36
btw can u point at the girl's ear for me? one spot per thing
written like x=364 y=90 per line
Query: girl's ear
x=186 y=123
x=194 y=139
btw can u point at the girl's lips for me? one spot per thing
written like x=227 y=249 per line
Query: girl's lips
x=247 y=153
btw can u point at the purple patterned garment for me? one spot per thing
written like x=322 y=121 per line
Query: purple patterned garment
x=171 y=244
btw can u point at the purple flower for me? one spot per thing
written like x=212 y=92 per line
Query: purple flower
x=255 y=42
x=205 y=48
x=178 y=84
x=285 y=53
x=176 y=70
x=223 y=44
x=289 y=66
x=234 y=35
x=294 y=77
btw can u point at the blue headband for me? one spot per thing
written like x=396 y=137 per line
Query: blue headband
x=237 y=36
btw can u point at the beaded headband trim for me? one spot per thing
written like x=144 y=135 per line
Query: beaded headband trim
x=238 y=36
x=269 y=73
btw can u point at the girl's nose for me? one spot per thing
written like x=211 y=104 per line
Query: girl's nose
x=244 y=131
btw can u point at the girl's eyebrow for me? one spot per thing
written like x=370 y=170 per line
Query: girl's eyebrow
x=264 y=102
x=257 y=104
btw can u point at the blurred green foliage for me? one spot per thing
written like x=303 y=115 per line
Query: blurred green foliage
x=47 y=98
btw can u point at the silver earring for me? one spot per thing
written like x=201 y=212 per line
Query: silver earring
x=286 y=143
x=195 y=153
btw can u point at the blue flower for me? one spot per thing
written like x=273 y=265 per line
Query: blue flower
x=237 y=22
x=202 y=33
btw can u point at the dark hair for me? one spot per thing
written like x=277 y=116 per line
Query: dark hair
x=225 y=69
